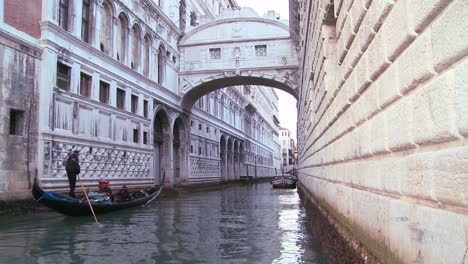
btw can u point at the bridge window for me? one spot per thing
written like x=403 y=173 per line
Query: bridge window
x=215 y=54
x=261 y=50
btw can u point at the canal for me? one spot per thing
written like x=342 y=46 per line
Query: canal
x=236 y=223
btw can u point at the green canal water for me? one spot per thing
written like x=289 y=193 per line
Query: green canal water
x=238 y=223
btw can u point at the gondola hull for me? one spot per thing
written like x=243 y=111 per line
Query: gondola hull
x=74 y=207
x=284 y=182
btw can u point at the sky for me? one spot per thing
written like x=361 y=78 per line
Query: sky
x=287 y=103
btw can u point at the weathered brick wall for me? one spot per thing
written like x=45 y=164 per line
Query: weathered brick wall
x=18 y=91
x=24 y=15
x=383 y=123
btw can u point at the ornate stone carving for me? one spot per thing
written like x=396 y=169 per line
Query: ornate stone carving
x=236 y=52
x=98 y=162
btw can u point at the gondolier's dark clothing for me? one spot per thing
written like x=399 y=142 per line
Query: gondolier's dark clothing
x=73 y=168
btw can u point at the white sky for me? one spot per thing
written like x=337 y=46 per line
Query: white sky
x=287 y=103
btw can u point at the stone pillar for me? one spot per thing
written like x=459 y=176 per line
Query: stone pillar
x=95 y=86
x=49 y=10
x=128 y=51
x=96 y=25
x=1 y=11
x=140 y=64
x=113 y=94
x=156 y=64
x=76 y=15
x=75 y=78
x=114 y=37
x=153 y=52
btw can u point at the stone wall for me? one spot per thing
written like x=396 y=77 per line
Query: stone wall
x=18 y=114
x=383 y=123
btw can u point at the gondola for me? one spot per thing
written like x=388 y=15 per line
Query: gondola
x=284 y=181
x=74 y=207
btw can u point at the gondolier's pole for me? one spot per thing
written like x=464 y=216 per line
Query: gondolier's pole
x=87 y=199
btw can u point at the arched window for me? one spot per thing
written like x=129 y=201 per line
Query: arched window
x=146 y=55
x=122 y=37
x=161 y=63
x=135 y=47
x=106 y=29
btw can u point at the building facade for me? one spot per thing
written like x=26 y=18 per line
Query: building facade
x=105 y=82
x=382 y=123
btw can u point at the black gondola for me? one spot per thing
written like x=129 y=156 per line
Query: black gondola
x=71 y=206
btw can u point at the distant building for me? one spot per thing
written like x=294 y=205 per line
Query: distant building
x=287 y=144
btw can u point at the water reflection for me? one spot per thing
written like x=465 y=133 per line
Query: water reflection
x=238 y=224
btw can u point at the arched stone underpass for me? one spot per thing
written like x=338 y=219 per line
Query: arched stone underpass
x=237 y=49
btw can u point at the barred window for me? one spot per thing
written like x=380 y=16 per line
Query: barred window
x=63 y=76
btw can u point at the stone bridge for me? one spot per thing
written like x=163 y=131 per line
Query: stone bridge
x=238 y=48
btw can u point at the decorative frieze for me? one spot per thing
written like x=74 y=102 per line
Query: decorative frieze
x=96 y=161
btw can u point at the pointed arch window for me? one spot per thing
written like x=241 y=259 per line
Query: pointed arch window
x=122 y=37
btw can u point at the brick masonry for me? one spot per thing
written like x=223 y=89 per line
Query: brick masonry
x=18 y=82
x=383 y=140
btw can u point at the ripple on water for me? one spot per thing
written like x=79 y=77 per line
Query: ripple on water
x=239 y=224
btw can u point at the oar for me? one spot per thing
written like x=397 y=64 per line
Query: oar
x=87 y=198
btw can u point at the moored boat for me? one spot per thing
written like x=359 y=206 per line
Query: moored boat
x=75 y=207
x=284 y=181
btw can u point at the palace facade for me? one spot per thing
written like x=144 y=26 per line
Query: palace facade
x=102 y=77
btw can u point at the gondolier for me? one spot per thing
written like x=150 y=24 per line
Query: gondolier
x=73 y=168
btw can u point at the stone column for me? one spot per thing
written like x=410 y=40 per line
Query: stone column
x=114 y=37
x=152 y=63
x=75 y=78
x=2 y=10
x=96 y=25
x=76 y=18
x=128 y=51
x=49 y=10
x=140 y=64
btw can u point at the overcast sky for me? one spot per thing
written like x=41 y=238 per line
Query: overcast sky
x=287 y=103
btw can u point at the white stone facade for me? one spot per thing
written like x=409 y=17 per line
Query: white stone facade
x=109 y=87
x=383 y=122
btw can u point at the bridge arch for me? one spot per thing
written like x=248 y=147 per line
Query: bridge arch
x=230 y=51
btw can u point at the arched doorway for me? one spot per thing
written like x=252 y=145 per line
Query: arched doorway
x=179 y=150
x=161 y=144
x=222 y=155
